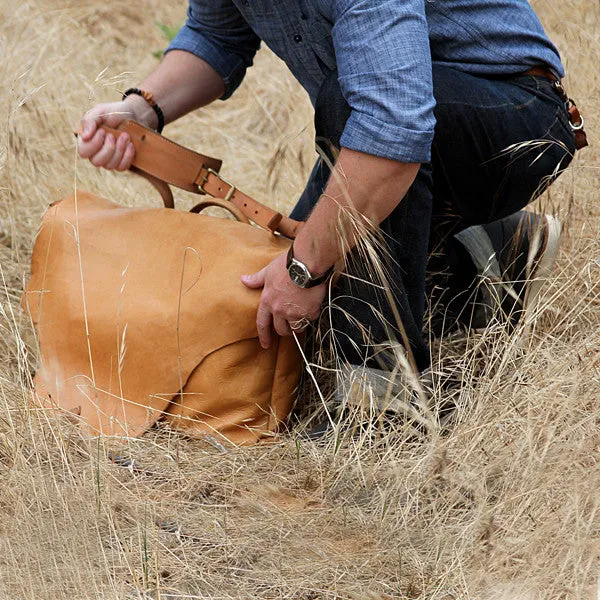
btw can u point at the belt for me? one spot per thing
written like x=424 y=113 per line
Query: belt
x=575 y=118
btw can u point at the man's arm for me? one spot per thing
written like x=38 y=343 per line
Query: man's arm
x=362 y=191
x=363 y=187
x=181 y=83
x=384 y=70
x=207 y=60
x=385 y=75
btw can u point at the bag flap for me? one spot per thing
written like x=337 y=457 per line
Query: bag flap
x=128 y=301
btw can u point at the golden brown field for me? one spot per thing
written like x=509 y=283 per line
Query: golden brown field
x=506 y=504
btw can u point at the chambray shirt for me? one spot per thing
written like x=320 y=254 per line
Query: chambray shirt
x=382 y=50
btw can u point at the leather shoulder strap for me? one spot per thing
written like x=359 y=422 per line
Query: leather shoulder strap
x=163 y=162
x=164 y=159
x=214 y=185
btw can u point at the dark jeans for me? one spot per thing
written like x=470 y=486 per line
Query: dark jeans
x=472 y=179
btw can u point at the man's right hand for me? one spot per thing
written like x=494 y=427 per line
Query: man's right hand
x=102 y=149
x=182 y=82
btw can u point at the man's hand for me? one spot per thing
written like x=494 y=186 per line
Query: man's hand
x=103 y=149
x=284 y=306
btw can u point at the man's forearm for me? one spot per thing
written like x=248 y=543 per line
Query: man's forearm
x=363 y=190
x=182 y=82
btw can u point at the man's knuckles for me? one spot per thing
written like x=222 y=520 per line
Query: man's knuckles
x=127 y=158
x=93 y=146
x=105 y=155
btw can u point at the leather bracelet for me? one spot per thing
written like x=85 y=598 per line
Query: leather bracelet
x=149 y=98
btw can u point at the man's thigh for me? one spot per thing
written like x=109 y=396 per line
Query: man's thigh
x=498 y=143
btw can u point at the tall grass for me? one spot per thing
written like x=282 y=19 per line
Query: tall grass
x=502 y=504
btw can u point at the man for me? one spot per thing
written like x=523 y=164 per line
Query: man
x=438 y=116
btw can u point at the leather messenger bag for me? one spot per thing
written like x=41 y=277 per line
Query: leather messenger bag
x=141 y=314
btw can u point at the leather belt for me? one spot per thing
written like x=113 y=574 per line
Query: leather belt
x=575 y=118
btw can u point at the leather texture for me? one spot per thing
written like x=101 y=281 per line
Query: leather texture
x=141 y=316
x=164 y=162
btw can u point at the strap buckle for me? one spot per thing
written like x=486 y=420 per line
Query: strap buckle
x=228 y=195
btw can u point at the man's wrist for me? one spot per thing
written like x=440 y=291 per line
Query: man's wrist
x=144 y=113
x=310 y=252
x=302 y=275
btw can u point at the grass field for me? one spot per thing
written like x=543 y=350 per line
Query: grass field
x=506 y=504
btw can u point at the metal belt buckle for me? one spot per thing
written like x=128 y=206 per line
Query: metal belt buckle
x=230 y=192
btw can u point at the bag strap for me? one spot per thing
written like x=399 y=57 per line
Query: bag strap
x=232 y=208
x=164 y=162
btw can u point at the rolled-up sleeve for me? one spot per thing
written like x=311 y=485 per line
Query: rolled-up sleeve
x=384 y=69
x=216 y=32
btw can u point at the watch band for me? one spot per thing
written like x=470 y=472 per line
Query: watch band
x=300 y=274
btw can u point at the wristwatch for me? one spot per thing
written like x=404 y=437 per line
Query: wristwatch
x=300 y=275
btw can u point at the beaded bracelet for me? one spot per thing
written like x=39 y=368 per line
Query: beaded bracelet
x=149 y=98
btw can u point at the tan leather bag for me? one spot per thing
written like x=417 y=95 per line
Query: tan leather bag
x=141 y=314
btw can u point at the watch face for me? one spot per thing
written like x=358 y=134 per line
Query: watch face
x=298 y=274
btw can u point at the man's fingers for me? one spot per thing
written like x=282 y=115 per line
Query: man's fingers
x=88 y=129
x=282 y=327
x=264 y=320
x=115 y=160
x=93 y=146
x=113 y=152
x=89 y=126
x=117 y=157
x=257 y=280
x=104 y=155
x=104 y=151
x=127 y=158
x=299 y=324
x=91 y=122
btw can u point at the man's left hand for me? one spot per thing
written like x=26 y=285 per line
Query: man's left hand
x=284 y=306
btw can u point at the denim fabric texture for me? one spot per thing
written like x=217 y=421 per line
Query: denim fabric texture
x=382 y=50
x=470 y=180
x=435 y=82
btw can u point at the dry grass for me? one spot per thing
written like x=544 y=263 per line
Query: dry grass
x=508 y=494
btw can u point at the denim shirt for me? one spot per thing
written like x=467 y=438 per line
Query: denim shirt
x=382 y=50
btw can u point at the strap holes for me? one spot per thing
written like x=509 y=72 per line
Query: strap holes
x=245 y=204
x=255 y=212
x=143 y=138
x=220 y=189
